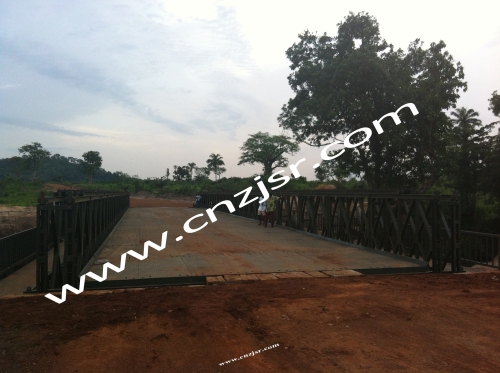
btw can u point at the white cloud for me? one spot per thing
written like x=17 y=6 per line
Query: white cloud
x=169 y=82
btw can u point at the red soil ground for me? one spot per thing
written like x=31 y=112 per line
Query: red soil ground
x=56 y=187
x=413 y=323
x=157 y=202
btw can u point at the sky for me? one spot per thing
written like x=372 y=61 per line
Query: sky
x=153 y=84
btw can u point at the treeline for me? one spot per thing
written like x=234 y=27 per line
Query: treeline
x=34 y=162
x=55 y=168
x=231 y=185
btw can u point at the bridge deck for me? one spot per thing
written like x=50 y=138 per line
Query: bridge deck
x=230 y=246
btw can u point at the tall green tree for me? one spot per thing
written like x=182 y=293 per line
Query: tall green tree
x=491 y=181
x=201 y=173
x=495 y=103
x=345 y=82
x=321 y=174
x=215 y=163
x=92 y=161
x=34 y=153
x=467 y=156
x=181 y=173
x=191 y=166
x=220 y=171
x=17 y=166
x=332 y=171
x=267 y=150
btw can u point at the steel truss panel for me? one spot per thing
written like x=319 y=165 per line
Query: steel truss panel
x=414 y=225
x=74 y=224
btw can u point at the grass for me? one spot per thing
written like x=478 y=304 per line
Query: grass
x=19 y=193
x=23 y=193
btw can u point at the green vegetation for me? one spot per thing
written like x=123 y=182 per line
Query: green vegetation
x=344 y=83
x=92 y=162
x=216 y=165
x=56 y=168
x=495 y=103
x=34 y=154
x=19 y=193
x=267 y=150
x=25 y=193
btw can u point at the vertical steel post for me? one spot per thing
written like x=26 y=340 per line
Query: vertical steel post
x=436 y=252
x=42 y=242
x=455 y=234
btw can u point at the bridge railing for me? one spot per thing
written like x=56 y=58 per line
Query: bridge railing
x=73 y=224
x=16 y=251
x=481 y=248
x=422 y=226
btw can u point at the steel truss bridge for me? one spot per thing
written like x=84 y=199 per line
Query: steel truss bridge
x=72 y=226
x=422 y=226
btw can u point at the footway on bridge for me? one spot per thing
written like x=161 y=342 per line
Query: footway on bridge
x=231 y=246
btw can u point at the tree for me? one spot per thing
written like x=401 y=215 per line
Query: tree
x=267 y=150
x=181 y=173
x=167 y=173
x=331 y=171
x=92 y=162
x=491 y=179
x=120 y=175
x=495 y=104
x=214 y=163
x=191 y=166
x=321 y=174
x=467 y=156
x=34 y=153
x=346 y=82
x=220 y=171
x=17 y=166
x=492 y=164
x=201 y=173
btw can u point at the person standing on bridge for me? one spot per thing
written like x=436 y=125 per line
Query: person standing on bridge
x=270 y=207
x=261 y=211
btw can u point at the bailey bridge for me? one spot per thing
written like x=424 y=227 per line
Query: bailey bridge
x=317 y=234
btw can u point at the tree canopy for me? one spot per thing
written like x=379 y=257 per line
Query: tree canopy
x=491 y=181
x=201 y=173
x=346 y=82
x=215 y=164
x=495 y=104
x=92 y=162
x=467 y=154
x=191 y=166
x=181 y=173
x=267 y=150
x=34 y=153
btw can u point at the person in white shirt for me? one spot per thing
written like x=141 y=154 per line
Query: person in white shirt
x=261 y=212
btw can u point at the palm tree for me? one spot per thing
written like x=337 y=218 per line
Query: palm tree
x=191 y=166
x=465 y=119
x=214 y=163
x=470 y=148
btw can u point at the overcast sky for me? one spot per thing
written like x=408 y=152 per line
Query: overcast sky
x=150 y=84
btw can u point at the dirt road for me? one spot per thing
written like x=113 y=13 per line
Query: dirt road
x=413 y=323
